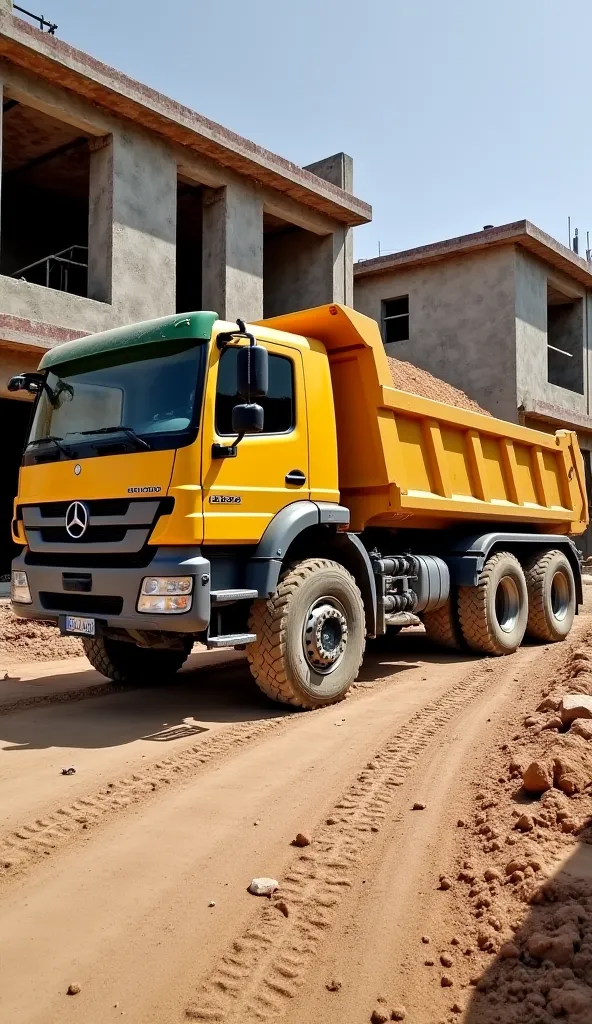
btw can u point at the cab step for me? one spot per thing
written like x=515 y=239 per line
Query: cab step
x=226 y=596
x=231 y=640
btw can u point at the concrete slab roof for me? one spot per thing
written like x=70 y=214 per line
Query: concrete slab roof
x=521 y=233
x=63 y=65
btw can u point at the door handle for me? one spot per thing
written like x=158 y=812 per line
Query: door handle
x=295 y=477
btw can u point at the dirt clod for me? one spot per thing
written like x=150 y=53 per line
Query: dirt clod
x=446 y=981
x=334 y=985
x=418 y=806
x=538 y=777
x=73 y=988
x=398 y=1013
x=302 y=839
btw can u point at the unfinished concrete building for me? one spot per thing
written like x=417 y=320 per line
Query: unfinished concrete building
x=504 y=314
x=119 y=204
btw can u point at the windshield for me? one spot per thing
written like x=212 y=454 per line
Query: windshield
x=155 y=395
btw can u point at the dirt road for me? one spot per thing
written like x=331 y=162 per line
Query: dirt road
x=182 y=795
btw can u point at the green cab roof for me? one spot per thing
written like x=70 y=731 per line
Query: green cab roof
x=180 y=326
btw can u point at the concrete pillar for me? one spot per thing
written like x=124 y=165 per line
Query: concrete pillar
x=100 y=220
x=132 y=225
x=6 y=7
x=339 y=170
x=232 y=276
x=343 y=266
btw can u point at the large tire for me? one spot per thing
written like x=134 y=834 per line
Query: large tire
x=316 y=613
x=494 y=613
x=551 y=596
x=127 y=663
x=442 y=627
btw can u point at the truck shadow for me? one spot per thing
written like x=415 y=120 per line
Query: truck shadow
x=524 y=988
x=199 y=699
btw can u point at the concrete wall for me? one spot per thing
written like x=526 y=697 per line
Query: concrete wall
x=532 y=384
x=461 y=322
x=302 y=269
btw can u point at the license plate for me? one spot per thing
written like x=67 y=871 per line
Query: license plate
x=74 y=624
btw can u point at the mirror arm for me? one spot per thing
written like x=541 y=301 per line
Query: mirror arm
x=226 y=451
x=226 y=337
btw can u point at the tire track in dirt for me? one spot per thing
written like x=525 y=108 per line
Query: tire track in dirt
x=28 y=843
x=264 y=967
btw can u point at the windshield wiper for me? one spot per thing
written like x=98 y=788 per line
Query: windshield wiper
x=140 y=442
x=55 y=440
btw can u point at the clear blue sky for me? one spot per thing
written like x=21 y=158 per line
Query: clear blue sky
x=458 y=113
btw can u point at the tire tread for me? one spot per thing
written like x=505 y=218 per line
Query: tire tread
x=267 y=655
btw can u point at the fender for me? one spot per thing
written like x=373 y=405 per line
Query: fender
x=467 y=558
x=265 y=565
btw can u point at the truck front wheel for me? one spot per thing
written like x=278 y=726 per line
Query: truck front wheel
x=493 y=614
x=310 y=635
x=551 y=596
x=127 y=663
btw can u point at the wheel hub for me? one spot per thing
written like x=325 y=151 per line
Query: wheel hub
x=325 y=635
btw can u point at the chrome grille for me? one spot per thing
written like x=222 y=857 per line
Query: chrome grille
x=114 y=525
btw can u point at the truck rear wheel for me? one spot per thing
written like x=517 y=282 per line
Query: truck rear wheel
x=442 y=627
x=127 y=663
x=310 y=635
x=551 y=596
x=493 y=614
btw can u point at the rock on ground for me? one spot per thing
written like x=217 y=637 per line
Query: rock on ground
x=575 y=705
x=263 y=886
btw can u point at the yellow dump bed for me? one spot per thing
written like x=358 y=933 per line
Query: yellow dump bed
x=410 y=461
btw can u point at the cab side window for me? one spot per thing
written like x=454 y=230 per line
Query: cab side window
x=278 y=405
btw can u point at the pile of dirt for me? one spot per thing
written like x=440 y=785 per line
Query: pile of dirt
x=28 y=640
x=407 y=377
x=524 y=885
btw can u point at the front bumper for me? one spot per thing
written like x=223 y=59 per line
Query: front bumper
x=53 y=596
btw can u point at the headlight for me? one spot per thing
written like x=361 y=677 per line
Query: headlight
x=19 y=588
x=168 y=594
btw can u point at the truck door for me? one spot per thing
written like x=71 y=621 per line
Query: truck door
x=242 y=494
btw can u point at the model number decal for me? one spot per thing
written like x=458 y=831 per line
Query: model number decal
x=144 y=490
x=225 y=499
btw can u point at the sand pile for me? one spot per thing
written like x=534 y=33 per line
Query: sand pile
x=525 y=885
x=407 y=377
x=27 y=640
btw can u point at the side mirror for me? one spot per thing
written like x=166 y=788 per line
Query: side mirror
x=247 y=418
x=31 y=382
x=252 y=372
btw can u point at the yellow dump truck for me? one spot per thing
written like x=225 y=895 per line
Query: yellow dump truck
x=266 y=487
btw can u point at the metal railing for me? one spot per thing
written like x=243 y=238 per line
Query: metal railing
x=61 y=265
x=42 y=22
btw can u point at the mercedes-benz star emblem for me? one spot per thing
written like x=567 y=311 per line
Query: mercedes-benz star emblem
x=76 y=519
x=77 y=470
